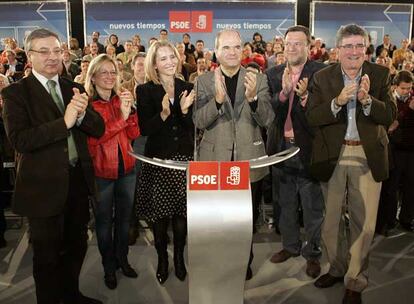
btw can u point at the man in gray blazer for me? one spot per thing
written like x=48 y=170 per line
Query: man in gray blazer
x=232 y=105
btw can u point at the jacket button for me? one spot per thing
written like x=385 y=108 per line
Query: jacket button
x=175 y=138
x=174 y=128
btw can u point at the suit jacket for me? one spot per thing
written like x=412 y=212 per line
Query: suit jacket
x=330 y=130
x=301 y=128
x=232 y=133
x=169 y=137
x=37 y=131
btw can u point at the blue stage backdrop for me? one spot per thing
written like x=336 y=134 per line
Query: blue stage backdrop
x=202 y=20
x=17 y=19
x=378 y=19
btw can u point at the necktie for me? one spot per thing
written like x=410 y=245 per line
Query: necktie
x=73 y=153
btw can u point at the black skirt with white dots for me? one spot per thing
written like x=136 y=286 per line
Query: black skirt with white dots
x=162 y=192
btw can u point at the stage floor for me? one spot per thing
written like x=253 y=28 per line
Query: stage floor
x=391 y=274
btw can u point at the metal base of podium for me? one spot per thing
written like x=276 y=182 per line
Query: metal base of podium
x=219 y=242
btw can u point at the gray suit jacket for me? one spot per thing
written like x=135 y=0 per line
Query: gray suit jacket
x=232 y=131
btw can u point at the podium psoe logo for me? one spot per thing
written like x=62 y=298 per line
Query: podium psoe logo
x=203 y=176
x=234 y=177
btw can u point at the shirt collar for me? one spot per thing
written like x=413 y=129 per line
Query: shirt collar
x=43 y=80
x=345 y=76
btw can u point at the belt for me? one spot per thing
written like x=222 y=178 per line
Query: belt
x=290 y=140
x=352 y=142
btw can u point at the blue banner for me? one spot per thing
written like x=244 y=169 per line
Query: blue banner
x=17 y=19
x=378 y=19
x=202 y=20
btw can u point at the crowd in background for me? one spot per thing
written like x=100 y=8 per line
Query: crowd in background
x=194 y=60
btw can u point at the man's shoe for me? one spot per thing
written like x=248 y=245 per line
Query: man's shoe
x=282 y=256
x=86 y=300
x=352 y=297
x=249 y=273
x=327 y=280
x=110 y=280
x=313 y=268
x=128 y=271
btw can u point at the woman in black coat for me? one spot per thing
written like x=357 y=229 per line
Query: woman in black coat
x=164 y=109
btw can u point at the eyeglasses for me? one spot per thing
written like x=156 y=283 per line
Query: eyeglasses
x=108 y=73
x=295 y=44
x=350 y=47
x=47 y=53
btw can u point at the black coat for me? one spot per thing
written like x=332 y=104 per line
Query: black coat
x=169 y=137
x=37 y=131
x=303 y=133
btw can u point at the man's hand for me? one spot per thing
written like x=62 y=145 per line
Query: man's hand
x=186 y=101
x=165 y=107
x=79 y=101
x=71 y=115
x=302 y=87
x=363 y=90
x=346 y=94
x=220 y=86
x=287 y=84
x=250 y=82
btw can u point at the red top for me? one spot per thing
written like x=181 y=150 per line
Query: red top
x=259 y=59
x=118 y=133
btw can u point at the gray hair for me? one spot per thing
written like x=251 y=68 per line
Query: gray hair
x=350 y=30
x=216 y=42
x=38 y=34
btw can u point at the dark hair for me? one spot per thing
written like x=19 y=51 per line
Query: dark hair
x=300 y=28
x=403 y=76
x=257 y=34
x=187 y=34
x=254 y=65
x=248 y=43
x=199 y=40
x=163 y=31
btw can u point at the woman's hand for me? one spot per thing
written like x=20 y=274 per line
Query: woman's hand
x=165 y=107
x=127 y=100
x=186 y=101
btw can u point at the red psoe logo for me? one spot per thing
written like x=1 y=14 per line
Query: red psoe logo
x=234 y=175
x=180 y=21
x=191 y=21
x=203 y=176
x=201 y=21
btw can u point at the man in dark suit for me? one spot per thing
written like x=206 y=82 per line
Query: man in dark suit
x=350 y=106
x=47 y=120
x=289 y=87
x=386 y=44
x=14 y=68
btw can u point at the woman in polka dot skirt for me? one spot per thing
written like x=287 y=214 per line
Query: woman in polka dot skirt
x=164 y=109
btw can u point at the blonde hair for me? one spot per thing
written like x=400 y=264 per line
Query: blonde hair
x=94 y=67
x=151 y=73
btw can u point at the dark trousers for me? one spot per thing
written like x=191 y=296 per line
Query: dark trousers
x=401 y=178
x=59 y=245
x=113 y=214
x=293 y=187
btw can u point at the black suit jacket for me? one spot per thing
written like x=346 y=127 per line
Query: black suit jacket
x=303 y=133
x=37 y=131
x=175 y=134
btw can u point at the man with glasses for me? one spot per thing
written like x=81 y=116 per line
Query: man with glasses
x=47 y=120
x=291 y=179
x=231 y=108
x=350 y=106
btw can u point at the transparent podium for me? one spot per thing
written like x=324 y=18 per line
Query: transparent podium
x=220 y=224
